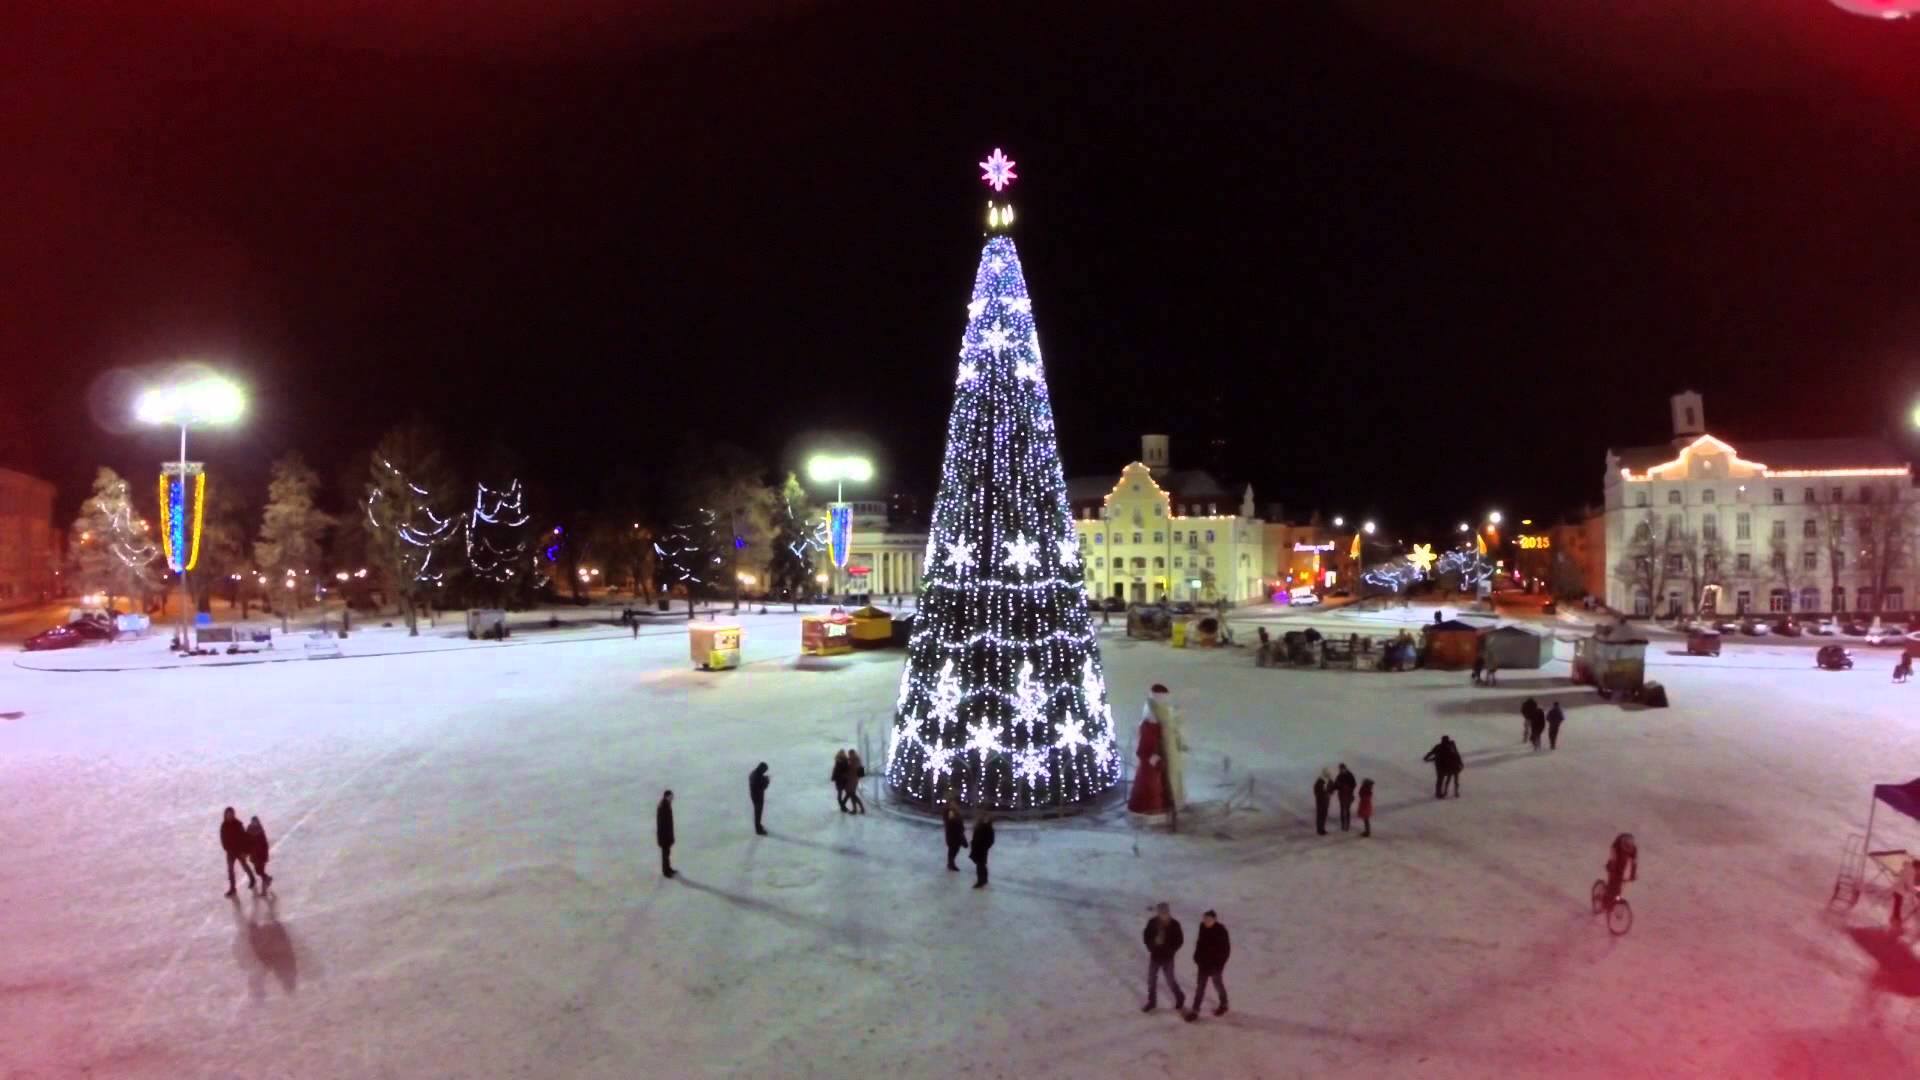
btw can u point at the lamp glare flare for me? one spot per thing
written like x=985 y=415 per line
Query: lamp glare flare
x=206 y=400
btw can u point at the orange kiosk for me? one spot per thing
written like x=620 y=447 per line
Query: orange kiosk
x=826 y=635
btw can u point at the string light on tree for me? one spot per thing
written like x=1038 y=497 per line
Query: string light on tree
x=1003 y=705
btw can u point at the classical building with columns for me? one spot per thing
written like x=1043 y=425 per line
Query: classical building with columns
x=887 y=556
x=1156 y=533
x=1802 y=527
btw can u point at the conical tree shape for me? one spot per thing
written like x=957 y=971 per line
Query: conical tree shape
x=1003 y=703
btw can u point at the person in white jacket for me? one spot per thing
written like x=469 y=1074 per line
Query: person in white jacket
x=1172 y=745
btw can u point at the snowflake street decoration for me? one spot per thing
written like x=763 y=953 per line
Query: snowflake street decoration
x=1022 y=554
x=998 y=170
x=1069 y=552
x=1422 y=557
x=996 y=339
x=960 y=554
x=1093 y=689
x=975 y=307
x=967 y=374
x=1029 y=701
x=1028 y=370
x=1103 y=752
x=984 y=738
x=939 y=762
x=1031 y=765
x=1020 y=305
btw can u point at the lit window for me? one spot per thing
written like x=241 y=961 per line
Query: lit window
x=1209 y=536
x=1099 y=538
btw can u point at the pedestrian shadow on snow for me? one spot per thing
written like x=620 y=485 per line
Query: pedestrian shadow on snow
x=1899 y=972
x=263 y=946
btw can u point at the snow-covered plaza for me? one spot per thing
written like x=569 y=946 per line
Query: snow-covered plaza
x=467 y=883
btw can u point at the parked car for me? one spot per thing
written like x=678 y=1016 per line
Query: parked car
x=1753 y=627
x=1787 y=628
x=1833 y=658
x=58 y=637
x=1726 y=626
x=1855 y=628
x=1303 y=595
x=1183 y=607
x=1824 y=628
x=1888 y=636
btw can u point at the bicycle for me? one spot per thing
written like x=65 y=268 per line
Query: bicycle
x=1619 y=913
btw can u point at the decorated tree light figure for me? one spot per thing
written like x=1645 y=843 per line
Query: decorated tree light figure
x=1002 y=703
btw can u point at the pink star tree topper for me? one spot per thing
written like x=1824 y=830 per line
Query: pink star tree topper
x=999 y=170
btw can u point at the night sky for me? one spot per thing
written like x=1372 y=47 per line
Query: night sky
x=1412 y=260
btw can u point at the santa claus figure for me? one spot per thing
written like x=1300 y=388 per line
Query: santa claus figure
x=1159 y=782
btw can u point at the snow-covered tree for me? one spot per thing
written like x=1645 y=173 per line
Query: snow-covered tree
x=113 y=547
x=1002 y=701
x=290 y=530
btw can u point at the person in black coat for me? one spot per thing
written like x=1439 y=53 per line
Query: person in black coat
x=1163 y=938
x=233 y=841
x=1528 y=708
x=257 y=851
x=982 y=843
x=1210 y=951
x=757 y=791
x=1454 y=762
x=1445 y=756
x=1554 y=719
x=1322 y=795
x=956 y=834
x=839 y=778
x=1344 y=785
x=663 y=832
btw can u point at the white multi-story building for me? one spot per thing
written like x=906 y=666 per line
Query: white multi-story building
x=1796 y=526
x=887 y=557
x=1157 y=533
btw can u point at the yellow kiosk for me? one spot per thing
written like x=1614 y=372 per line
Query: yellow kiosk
x=714 y=647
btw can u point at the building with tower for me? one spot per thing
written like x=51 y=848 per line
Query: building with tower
x=1799 y=526
x=1160 y=533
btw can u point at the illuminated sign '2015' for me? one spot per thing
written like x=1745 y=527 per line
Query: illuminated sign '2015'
x=1535 y=543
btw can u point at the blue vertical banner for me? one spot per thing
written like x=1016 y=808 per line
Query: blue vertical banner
x=840 y=533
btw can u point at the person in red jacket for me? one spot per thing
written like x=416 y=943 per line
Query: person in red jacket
x=1210 y=951
x=1366 y=807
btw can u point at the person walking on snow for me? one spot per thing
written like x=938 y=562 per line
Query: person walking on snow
x=1210 y=951
x=1366 y=807
x=257 y=850
x=1455 y=763
x=1554 y=719
x=233 y=841
x=1528 y=710
x=663 y=832
x=1479 y=667
x=839 y=778
x=956 y=833
x=1322 y=794
x=1536 y=724
x=1343 y=786
x=1438 y=755
x=757 y=782
x=1163 y=939
x=855 y=770
x=982 y=843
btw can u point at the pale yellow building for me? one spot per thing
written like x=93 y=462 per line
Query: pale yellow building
x=1159 y=533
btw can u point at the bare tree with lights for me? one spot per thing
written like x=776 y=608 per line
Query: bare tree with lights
x=1003 y=702
x=411 y=526
x=113 y=548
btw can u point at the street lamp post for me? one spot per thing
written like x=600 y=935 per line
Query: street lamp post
x=203 y=399
x=822 y=468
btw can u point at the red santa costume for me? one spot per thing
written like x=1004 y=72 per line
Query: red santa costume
x=1149 y=795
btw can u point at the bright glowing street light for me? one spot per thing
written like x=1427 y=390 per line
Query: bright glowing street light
x=1916 y=416
x=1338 y=521
x=1494 y=517
x=1367 y=528
x=822 y=468
x=197 y=399
x=1464 y=527
x=825 y=468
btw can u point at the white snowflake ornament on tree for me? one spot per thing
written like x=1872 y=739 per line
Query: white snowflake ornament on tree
x=967 y=373
x=1028 y=370
x=960 y=555
x=1031 y=765
x=944 y=703
x=984 y=738
x=1022 y=554
x=1069 y=552
x=996 y=339
x=1029 y=701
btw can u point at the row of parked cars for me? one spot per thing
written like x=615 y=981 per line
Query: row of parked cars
x=1890 y=634
x=83 y=627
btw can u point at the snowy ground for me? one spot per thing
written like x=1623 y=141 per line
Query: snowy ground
x=468 y=884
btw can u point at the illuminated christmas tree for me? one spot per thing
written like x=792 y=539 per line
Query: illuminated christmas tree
x=1002 y=703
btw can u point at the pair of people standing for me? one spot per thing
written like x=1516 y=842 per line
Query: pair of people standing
x=1535 y=721
x=1163 y=938
x=1342 y=786
x=246 y=845
x=847 y=772
x=1447 y=766
x=956 y=830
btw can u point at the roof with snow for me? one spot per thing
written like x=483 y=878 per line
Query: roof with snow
x=1784 y=454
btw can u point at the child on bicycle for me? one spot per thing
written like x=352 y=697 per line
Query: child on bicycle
x=1623 y=864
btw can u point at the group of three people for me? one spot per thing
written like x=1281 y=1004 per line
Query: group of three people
x=1343 y=786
